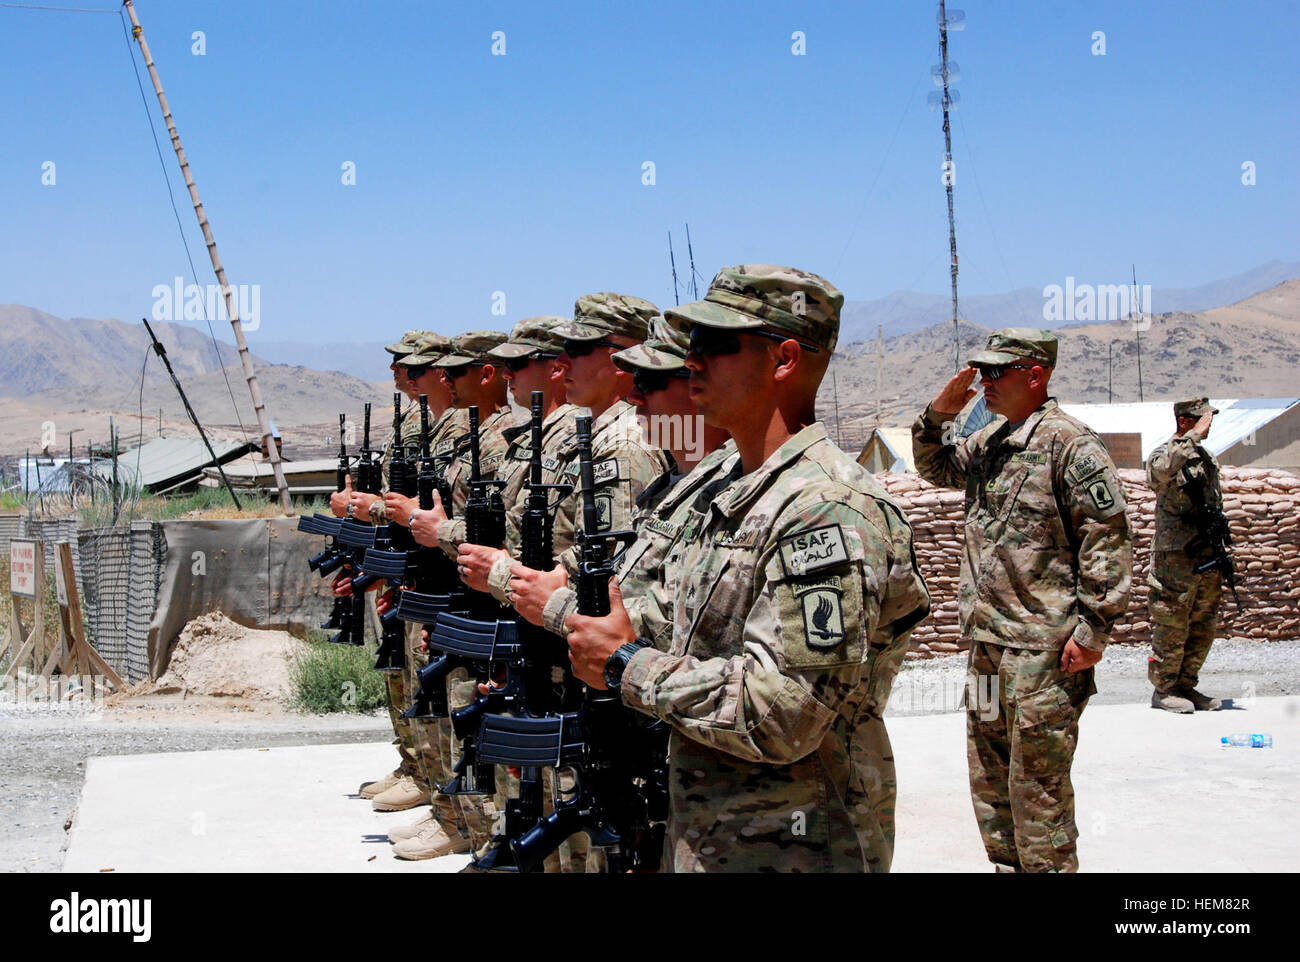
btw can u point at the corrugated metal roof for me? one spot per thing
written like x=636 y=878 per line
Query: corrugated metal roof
x=165 y=463
x=1237 y=419
x=897 y=442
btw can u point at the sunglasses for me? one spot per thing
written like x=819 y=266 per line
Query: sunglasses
x=647 y=382
x=583 y=348
x=517 y=364
x=715 y=342
x=460 y=370
x=994 y=373
x=418 y=371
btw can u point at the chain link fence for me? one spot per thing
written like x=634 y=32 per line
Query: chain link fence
x=121 y=569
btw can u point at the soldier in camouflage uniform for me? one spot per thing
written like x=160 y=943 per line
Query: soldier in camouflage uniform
x=1183 y=603
x=1046 y=573
x=797 y=585
x=339 y=504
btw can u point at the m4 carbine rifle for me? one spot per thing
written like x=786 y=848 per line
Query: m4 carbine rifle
x=1213 y=535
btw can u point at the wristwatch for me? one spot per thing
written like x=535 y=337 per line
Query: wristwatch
x=617 y=662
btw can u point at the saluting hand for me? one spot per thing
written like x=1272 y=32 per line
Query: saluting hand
x=956 y=393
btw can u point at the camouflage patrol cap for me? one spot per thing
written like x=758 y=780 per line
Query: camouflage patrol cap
x=750 y=296
x=532 y=335
x=406 y=345
x=1193 y=407
x=599 y=315
x=426 y=347
x=1013 y=344
x=664 y=350
x=472 y=348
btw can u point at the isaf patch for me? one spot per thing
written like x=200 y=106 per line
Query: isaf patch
x=1082 y=469
x=604 y=471
x=813 y=549
x=445 y=446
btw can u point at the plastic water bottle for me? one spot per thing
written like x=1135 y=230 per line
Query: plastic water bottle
x=1247 y=741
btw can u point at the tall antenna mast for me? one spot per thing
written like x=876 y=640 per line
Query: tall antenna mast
x=942 y=73
x=695 y=292
x=1137 y=328
x=673 y=261
x=232 y=310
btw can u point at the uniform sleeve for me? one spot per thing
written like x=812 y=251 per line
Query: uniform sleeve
x=805 y=644
x=1168 y=459
x=944 y=464
x=616 y=496
x=1094 y=500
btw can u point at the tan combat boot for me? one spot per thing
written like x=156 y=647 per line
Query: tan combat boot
x=379 y=785
x=400 y=833
x=1200 y=702
x=1171 y=702
x=430 y=842
x=403 y=795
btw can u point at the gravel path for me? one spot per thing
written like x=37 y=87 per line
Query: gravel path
x=43 y=750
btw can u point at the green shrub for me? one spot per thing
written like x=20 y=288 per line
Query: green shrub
x=330 y=677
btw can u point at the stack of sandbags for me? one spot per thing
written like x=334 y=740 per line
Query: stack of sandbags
x=1263 y=510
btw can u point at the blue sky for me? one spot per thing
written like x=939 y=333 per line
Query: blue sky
x=523 y=173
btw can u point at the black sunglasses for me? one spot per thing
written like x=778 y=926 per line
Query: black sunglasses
x=993 y=373
x=517 y=364
x=418 y=371
x=715 y=342
x=460 y=370
x=583 y=348
x=647 y=382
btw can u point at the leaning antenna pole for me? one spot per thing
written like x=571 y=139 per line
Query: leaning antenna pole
x=695 y=291
x=162 y=353
x=1137 y=328
x=673 y=261
x=948 y=100
x=232 y=310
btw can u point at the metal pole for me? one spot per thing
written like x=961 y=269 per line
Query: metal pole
x=673 y=261
x=947 y=157
x=232 y=311
x=690 y=253
x=1137 y=329
x=162 y=353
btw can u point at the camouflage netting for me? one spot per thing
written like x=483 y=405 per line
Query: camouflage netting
x=1263 y=509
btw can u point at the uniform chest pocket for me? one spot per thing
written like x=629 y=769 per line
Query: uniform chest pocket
x=716 y=593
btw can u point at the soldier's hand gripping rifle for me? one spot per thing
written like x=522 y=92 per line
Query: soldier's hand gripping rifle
x=595 y=741
x=529 y=660
x=1213 y=535
x=335 y=555
x=472 y=643
x=390 y=561
x=358 y=536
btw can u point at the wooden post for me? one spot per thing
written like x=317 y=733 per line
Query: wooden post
x=26 y=578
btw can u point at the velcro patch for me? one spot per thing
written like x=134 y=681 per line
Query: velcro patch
x=1084 y=468
x=550 y=464
x=445 y=446
x=603 y=471
x=823 y=616
x=604 y=511
x=807 y=551
x=1029 y=457
x=660 y=526
x=1102 y=496
x=736 y=539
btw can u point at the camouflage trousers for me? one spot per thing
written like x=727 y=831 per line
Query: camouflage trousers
x=1020 y=757
x=477 y=812
x=428 y=736
x=398 y=699
x=1183 y=606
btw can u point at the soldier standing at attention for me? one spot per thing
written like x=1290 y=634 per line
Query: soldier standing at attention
x=1183 y=603
x=1045 y=574
x=798 y=583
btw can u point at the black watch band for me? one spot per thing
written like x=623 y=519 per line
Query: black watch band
x=617 y=662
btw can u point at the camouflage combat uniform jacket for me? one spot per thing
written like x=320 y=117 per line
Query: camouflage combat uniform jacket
x=410 y=441
x=1048 y=556
x=800 y=576
x=492 y=452
x=623 y=464
x=557 y=428
x=1170 y=466
x=669 y=512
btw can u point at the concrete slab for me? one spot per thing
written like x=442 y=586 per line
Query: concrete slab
x=1155 y=793
x=247 y=810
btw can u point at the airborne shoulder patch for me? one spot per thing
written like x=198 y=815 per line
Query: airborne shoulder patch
x=813 y=549
x=1100 y=493
x=823 y=614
